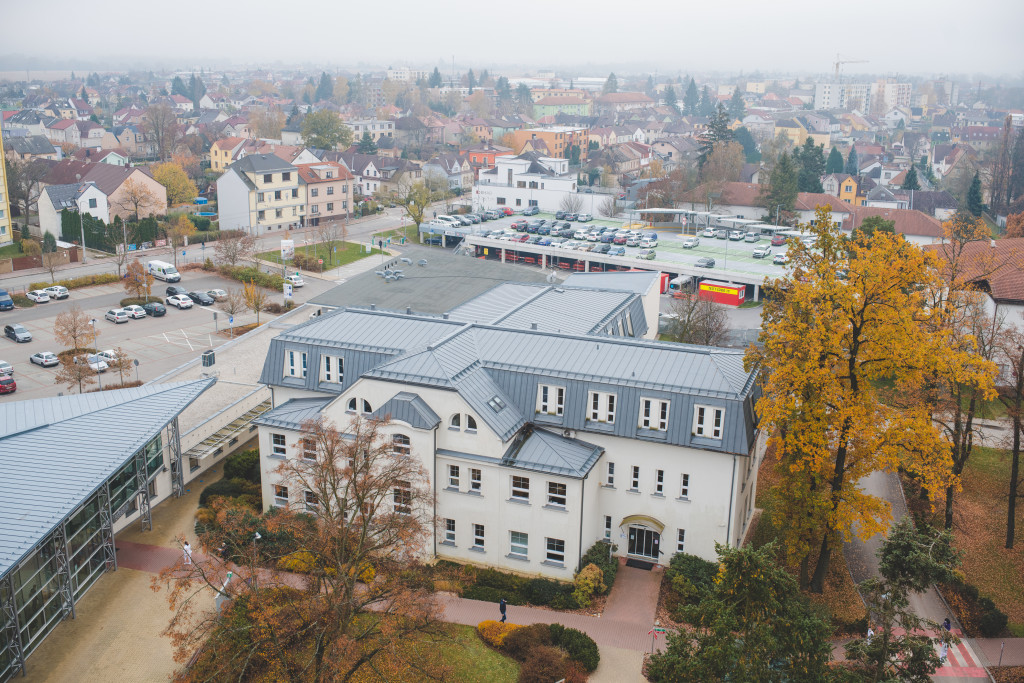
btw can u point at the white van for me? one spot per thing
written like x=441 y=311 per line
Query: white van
x=450 y=220
x=163 y=271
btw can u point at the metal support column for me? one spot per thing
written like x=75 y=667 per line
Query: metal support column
x=107 y=527
x=60 y=552
x=142 y=490
x=10 y=626
x=177 y=471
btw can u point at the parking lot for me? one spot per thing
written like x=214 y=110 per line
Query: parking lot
x=730 y=256
x=159 y=344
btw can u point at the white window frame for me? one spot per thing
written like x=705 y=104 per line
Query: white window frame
x=478 y=536
x=309 y=448
x=551 y=400
x=654 y=414
x=402 y=495
x=311 y=501
x=279 y=448
x=611 y=475
x=453 y=476
x=522 y=491
x=399 y=447
x=367 y=408
x=553 y=554
x=291 y=368
x=684 y=485
x=680 y=540
x=554 y=497
x=332 y=369
x=607 y=527
x=455 y=422
x=659 y=483
x=449 y=531
x=601 y=407
x=476 y=480
x=635 y=479
x=708 y=421
x=279 y=499
x=520 y=549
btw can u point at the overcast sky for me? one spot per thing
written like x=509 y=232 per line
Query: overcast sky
x=676 y=36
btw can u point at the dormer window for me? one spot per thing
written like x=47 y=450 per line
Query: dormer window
x=707 y=421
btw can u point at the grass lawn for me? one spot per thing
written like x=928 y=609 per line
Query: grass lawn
x=408 y=232
x=12 y=250
x=979 y=528
x=346 y=252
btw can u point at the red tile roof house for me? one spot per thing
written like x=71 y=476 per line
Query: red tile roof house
x=916 y=226
x=329 y=187
x=113 y=181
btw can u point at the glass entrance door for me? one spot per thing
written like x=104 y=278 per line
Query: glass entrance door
x=644 y=542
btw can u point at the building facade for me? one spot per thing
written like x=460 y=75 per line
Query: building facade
x=260 y=193
x=328 y=190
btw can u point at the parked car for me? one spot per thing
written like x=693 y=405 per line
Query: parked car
x=6 y=369
x=204 y=299
x=532 y=239
x=6 y=302
x=109 y=356
x=521 y=237
x=117 y=315
x=619 y=239
x=135 y=311
x=559 y=215
x=544 y=242
x=218 y=294
x=96 y=364
x=778 y=240
x=606 y=237
x=533 y=227
x=519 y=224
x=752 y=237
x=506 y=210
x=493 y=214
x=8 y=385
x=584 y=217
x=570 y=217
x=39 y=296
x=295 y=279
x=45 y=359
x=57 y=292
x=762 y=252
x=648 y=243
x=617 y=251
x=543 y=229
x=722 y=234
x=531 y=211
x=705 y=262
x=780 y=259
x=602 y=248
x=708 y=232
x=175 y=290
x=633 y=241
x=464 y=220
x=154 y=309
x=17 y=332
x=179 y=300
x=646 y=254
x=691 y=242
x=473 y=218
x=736 y=236
x=594 y=235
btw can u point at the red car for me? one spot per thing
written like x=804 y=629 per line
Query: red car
x=519 y=225
x=8 y=385
x=507 y=210
x=778 y=241
x=520 y=238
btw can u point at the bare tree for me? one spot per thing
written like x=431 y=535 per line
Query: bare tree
x=1011 y=393
x=255 y=298
x=138 y=282
x=75 y=371
x=137 y=198
x=118 y=236
x=571 y=202
x=24 y=180
x=161 y=126
x=231 y=250
x=698 y=320
x=609 y=207
x=73 y=329
x=233 y=304
x=121 y=362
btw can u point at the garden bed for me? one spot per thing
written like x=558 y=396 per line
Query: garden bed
x=306 y=256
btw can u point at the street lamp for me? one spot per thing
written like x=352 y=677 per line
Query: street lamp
x=99 y=378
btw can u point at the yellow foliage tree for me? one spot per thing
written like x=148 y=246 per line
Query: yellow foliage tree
x=180 y=188
x=178 y=231
x=849 y=325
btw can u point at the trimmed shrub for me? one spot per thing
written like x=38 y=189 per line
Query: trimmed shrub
x=542 y=591
x=277 y=309
x=601 y=554
x=992 y=623
x=243 y=465
x=589 y=582
x=494 y=632
x=495 y=579
x=133 y=301
x=544 y=665
x=580 y=647
x=690 y=576
x=201 y=222
x=522 y=641
x=22 y=301
x=254 y=275
x=564 y=600
x=79 y=282
x=228 y=488
x=491 y=594
x=301 y=562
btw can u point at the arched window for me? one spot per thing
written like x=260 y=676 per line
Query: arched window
x=352 y=403
x=366 y=406
x=456 y=421
x=400 y=444
x=470 y=423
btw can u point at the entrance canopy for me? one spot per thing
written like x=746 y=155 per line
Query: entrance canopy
x=645 y=520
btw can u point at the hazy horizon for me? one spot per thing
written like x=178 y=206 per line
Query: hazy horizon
x=912 y=37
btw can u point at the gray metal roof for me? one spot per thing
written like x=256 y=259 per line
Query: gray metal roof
x=443 y=284
x=539 y=450
x=638 y=281
x=262 y=163
x=386 y=333
x=409 y=408
x=56 y=452
x=495 y=302
x=293 y=413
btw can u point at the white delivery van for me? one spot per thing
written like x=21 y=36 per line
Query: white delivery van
x=163 y=271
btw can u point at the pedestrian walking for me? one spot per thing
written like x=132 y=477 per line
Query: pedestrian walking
x=870 y=633
x=502 y=607
x=188 y=553
x=947 y=625
x=943 y=651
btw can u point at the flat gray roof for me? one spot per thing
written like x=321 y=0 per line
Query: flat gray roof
x=56 y=452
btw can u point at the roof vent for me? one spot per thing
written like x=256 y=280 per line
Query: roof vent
x=373 y=307
x=408 y=310
x=533 y=326
x=444 y=316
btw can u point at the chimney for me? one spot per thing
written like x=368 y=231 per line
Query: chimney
x=373 y=307
x=533 y=326
x=408 y=310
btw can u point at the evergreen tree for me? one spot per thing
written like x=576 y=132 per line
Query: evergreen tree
x=84 y=96
x=737 y=107
x=812 y=167
x=484 y=77
x=910 y=182
x=367 y=145
x=196 y=90
x=325 y=89
x=225 y=81
x=691 y=99
x=435 y=79
x=650 y=87
x=670 y=98
x=852 y=164
x=472 y=81
x=718 y=133
x=355 y=90
x=750 y=151
x=974 y=202
x=781 y=191
x=178 y=87
x=293 y=115
x=796 y=84
x=707 y=102
x=834 y=163
x=610 y=85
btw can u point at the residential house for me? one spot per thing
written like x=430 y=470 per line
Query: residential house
x=102 y=156
x=808 y=203
x=842 y=186
x=456 y=170
x=675 y=151
x=259 y=193
x=367 y=177
x=63 y=131
x=529 y=179
x=32 y=122
x=529 y=458
x=550 y=106
x=84 y=197
x=375 y=127
x=328 y=190
x=915 y=226
x=559 y=139
x=6 y=235
x=410 y=131
x=482 y=156
x=129 y=190
x=617 y=102
x=223 y=151
x=134 y=140
x=31 y=147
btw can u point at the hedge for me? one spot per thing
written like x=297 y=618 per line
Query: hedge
x=255 y=275
x=494 y=632
x=79 y=282
x=491 y=585
x=228 y=488
x=133 y=301
x=243 y=465
x=579 y=645
x=22 y=301
x=540 y=647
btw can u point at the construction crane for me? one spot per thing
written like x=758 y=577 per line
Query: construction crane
x=840 y=60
